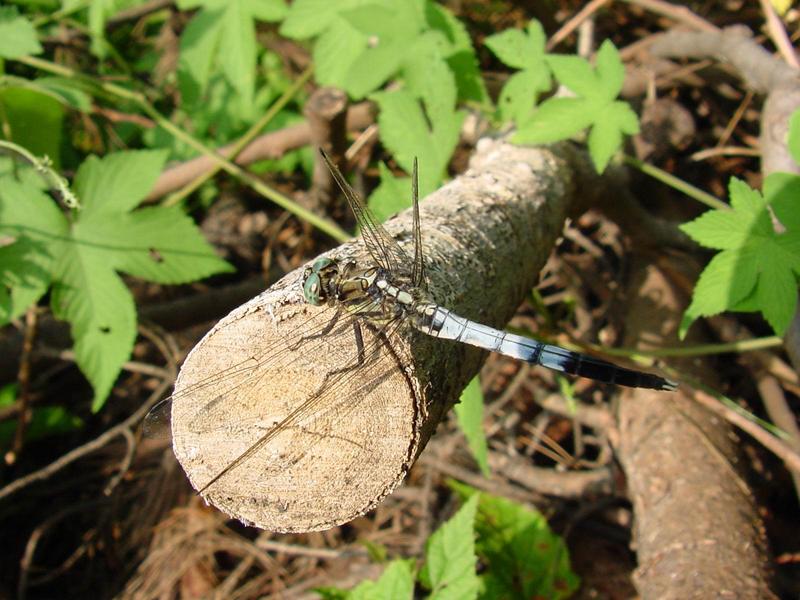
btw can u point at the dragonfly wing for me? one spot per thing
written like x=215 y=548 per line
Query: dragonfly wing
x=382 y=247
x=259 y=444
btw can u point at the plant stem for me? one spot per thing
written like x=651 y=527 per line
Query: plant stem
x=248 y=137
x=325 y=225
x=676 y=183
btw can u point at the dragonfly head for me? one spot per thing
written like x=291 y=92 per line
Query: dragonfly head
x=314 y=289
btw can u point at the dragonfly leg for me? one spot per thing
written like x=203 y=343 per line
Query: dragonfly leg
x=321 y=333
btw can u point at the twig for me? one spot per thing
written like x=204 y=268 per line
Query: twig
x=87 y=448
x=24 y=380
x=130 y=444
x=778 y=447
x=678 y=13
x=234 y=150
x=574 y=22
x=778 y=34
x=33 y=540
x=295 y=550
x=778 y=410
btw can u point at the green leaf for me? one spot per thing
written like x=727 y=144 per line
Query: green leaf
x=526 y=52
x=430 y=134
x=595 y=106
x=759 y=264
x=470 y=418
x=82 y=258
x=555 y=119
x=459 y=54
x=34 y=225
x=727 y=279
x=161 y=244
x=25 y=266
x=34 y=120
x=220 y=40
x=397 y=581
x=449 y=570
x=518 y=96
x=610 y=71
x=101 y=313
x=309 y=18
x=793 y=140
x=391 y=196
x=606 y=134
x=522 y=557
x=17 y=35
x=778 y=298
x=575 y=73
x=514 y=48
x=118 y=182
x=69 y=92
x=336 y=50
x=718 y=229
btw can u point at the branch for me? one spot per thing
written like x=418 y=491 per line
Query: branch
x=486 y=236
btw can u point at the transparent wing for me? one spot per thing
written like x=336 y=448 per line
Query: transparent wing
x=382 y=247
x=242 y=373
x=242 y=409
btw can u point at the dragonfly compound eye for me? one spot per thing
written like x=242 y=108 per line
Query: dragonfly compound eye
x=311 y=289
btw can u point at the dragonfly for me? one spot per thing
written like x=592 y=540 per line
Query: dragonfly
x=383 y=296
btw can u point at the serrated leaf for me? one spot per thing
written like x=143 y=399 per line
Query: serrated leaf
x=522 y=557
x=81 y=258
x=308 y=18
x=33 y=223
x=460 y=55
x=746 y=201
x=470 y=419
x=727 y=279
x=17 y=35
x=159 y=244
x=450 y=557
x=396 y=581
x=335 y=50
x=391 y=196
x=782 y=193
x=718 y=229
x=610 y=71
x=777 y=299
x=117 y=182
x=759 y=267
x=555 y=119
x=34 y=120
x=512 y=47
x=605 y=138
x=101 y=313
x=575 y=73
x=407 y=132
